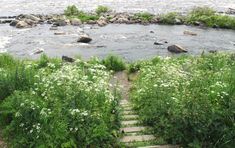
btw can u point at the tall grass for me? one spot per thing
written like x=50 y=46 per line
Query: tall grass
x=189 y=101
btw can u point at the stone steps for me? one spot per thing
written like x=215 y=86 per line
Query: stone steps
x=129 y=122
x=133 y=129
x=161 y=146
x=137 y=138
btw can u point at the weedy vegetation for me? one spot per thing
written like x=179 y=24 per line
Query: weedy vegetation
x=145 y=16
x=188 y=101
x=51 y=103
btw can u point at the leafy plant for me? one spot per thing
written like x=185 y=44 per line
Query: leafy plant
x=145 y=16
x=189 y=101
x=114 y=63
x=209 y=17
x=170 y=18
x=66 y=105
x=101 y=9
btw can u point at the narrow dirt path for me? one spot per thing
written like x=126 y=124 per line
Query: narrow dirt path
x=134 y=134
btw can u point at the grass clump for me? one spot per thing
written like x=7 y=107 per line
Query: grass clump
x=66 y=104
x=101 y=9
x=145 y=16
x=171 y=18
x=189 y=101
x=208 y=17
x=73 y=12
x=114 y=63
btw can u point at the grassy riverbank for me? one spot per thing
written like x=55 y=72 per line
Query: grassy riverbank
x=53 y=103
x=188 y=101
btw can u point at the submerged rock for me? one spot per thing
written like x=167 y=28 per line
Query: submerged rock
x=59 y=33
x=186 y=32
x=176 y=49
x=84 y=39
x=38 y=51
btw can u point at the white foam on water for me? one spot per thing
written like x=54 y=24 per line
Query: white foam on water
x=3 y=42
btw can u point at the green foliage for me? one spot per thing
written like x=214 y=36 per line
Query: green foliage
x=101 y=9
x=170 y=18
x=65 y=105
x=209 y=17
x=189 y=101
x=114 y=63
x=145 y=16
x=73 y=12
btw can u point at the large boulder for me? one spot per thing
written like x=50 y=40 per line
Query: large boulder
x=176 y=49
x=84 y=39
x=22 y=24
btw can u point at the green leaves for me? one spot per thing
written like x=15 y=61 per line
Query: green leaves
x=186 y=99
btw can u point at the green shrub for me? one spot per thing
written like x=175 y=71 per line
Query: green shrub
x=14 y=75
x=70 y=106
x=114 y=63
x=209 y=17
x=101 y=9
x=73 y=12
x=170 y=18
x=145 y=16
x=189 y=101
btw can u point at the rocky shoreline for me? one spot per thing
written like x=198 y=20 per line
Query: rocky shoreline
x=31 y=20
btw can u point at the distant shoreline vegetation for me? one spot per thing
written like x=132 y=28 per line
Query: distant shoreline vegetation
x=199 y=16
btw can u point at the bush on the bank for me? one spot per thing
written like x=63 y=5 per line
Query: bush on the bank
x=101 y=9
x=189 y=101
x=209 y=17
x=67 y=105
x=145 y=16
x=73 y=12
x=170 y=18
x=114 y=63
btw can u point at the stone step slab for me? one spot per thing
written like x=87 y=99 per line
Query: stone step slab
x=133 y=129
x=161 y=146
x=130 y=117
x=139 y=138
x=130 y=122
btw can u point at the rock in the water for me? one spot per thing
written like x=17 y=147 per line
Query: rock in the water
x=31 y=17
x=68 y=59
x=22 y=24
x=38 y=51
x=176 y=49
x=84 y=39
x=186 y=32
x=158 y=43
x=102 y=21
x=54 y=28
x=14 y=22
x=178 y=21
x=59 y=33
x=60 y=23
x=75 y=22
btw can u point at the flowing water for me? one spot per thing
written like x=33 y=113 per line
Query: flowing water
x=132 y=42
x=15 y=7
